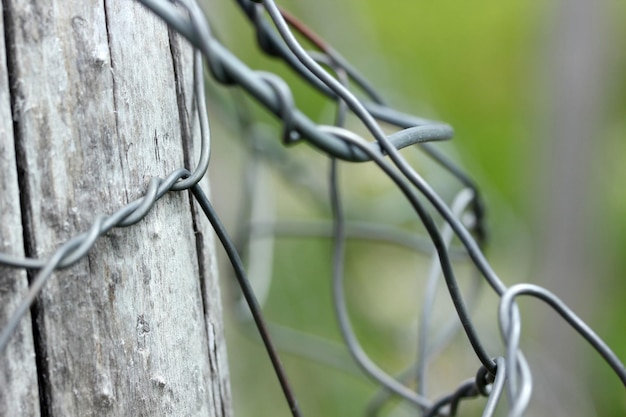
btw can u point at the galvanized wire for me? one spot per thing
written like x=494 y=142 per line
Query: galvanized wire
x=327 y=71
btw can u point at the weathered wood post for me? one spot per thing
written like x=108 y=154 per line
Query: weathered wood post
x=95 y=98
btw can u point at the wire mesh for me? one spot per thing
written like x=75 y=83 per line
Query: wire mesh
x=327 y=71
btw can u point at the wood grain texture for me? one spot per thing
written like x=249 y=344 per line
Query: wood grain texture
x=18 y=373
x=128 y=330
x=190 y=132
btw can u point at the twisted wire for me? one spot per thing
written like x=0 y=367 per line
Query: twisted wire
x=275 y=38
x=77 y=247
x=388 y=148
x=472 y=247
x=376 y=107
x=228 y=69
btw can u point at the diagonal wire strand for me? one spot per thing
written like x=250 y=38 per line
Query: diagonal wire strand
x=275 y=38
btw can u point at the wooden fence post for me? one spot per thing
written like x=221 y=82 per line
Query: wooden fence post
x=100 y=94
x=18 y=374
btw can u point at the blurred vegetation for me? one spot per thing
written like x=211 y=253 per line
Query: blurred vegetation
x=476 y=65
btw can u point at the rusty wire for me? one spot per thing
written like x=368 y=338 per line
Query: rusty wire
x=326 y=70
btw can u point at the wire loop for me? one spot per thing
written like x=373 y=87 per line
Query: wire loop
x=327 y=71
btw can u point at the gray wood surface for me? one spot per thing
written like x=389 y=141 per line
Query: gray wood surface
x=190 y=133
x=18 y=372
x=134 y=329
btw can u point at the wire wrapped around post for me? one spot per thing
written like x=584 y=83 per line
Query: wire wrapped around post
x=325 y=70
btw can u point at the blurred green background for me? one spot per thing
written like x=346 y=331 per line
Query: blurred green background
x=536 y=93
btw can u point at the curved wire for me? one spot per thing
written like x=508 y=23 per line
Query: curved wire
x=473 y=388
x=340 y=116
x=455 y=293
x=337 y=60
x=339 y=299
x=391 y=150
x=359 y=110
x=341 y=311
x=363 y=230
x=466 y=390
x=285 y=98
x=205 y=133
x=496 y=388
x=270 y=43
x=510 y=330
x=257 y=253
x=228 y=69
x=340 y=143
x=77 y=247
x=248 y=293
x=368 y=120
x=433 y=232
x=425 y=350
x=184 y=181
x=272 y=46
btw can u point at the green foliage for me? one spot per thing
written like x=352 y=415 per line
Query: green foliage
x=475 y=65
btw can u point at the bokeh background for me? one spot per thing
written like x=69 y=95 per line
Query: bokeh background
x=536 y=93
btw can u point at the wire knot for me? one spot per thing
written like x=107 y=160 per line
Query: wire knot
x=286 y=105
x=484 y=379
